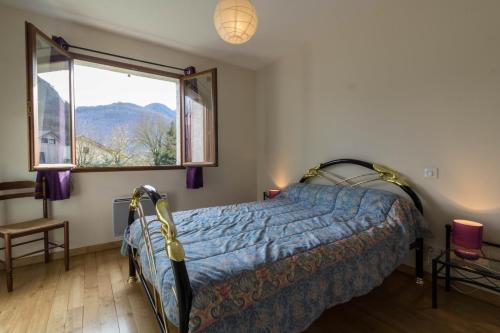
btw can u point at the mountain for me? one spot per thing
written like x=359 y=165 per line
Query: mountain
x=158 y=107
x=50 y=103
x=123 y=112
x=95 y=121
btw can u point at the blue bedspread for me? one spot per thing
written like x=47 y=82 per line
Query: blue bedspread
x=275 y=266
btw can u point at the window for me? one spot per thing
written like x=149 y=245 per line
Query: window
x=50 y=102
x=125 y=117
x=200 y=119
x=96 y=114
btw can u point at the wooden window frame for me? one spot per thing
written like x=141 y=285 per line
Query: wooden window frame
x=32 y=105
x=31 y=32
x=138 y=68
x=213 y=71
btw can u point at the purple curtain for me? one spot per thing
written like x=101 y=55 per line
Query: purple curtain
x=58 y=184
x=56 y=56
x=194 y=175
x=61 y=42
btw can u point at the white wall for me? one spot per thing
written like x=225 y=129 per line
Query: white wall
x=89 y=209
x=408 y=84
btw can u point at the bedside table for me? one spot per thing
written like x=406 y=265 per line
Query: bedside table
x=476 y=273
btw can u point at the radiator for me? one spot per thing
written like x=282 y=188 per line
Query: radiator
x=120 y=212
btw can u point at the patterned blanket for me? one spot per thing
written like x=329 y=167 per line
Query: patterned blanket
x=275 y=266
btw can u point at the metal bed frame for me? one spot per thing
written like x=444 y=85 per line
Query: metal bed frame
x=175 y=251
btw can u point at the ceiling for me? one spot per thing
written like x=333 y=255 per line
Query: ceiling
x=187 y=24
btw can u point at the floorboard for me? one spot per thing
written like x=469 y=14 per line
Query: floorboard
x=94 y=296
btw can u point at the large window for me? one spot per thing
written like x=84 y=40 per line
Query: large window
x=125 y=117
x=95 y=114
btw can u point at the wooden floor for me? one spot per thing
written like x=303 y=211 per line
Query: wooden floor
x=95 y=297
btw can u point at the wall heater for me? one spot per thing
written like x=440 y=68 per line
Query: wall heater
x=120 y=212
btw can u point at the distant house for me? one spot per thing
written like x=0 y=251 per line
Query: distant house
x=92 y=153
x=52 y=149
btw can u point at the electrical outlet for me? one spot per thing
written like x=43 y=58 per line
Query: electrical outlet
x=431 y=173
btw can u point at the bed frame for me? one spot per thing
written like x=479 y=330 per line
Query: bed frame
x=175 y=251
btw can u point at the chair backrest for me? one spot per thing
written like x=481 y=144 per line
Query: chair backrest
x=22 y=185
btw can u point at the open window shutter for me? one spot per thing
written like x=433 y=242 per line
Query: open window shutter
x=199 y=119
x=50 y=102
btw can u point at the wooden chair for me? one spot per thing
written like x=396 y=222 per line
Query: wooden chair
x=11 y=231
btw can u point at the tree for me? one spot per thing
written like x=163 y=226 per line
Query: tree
x=119 y=146
x=170 y=152
x=86 y=155
x=158 y=136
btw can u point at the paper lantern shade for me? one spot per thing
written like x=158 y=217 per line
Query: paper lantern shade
x=235 y=20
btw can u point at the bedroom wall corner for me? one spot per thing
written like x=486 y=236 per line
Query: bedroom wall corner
x=408 y=84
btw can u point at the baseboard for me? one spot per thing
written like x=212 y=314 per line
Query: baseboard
x=480 y=294
x=60 y=254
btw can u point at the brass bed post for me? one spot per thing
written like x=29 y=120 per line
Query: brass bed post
x=174 y=251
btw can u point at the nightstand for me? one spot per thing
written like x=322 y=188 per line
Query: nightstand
x=466 y=271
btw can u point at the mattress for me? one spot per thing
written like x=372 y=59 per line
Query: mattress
x=276 y=265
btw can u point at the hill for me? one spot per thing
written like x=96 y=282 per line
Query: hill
x=96 y=121
x=52 y=104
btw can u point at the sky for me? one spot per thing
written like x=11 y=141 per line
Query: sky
x=95 y=86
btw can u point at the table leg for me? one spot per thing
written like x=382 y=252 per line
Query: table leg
x=434 y=284
x=448 y=258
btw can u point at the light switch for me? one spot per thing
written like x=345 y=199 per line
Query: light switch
x=431 y=173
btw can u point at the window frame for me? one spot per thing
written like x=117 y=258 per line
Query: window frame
x=138 y=68
x=32 y=94
x=31 y=63
x=213 y=71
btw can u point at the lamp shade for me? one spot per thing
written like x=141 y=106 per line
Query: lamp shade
x=468 y=237
x=272 y=193
x=235 y=20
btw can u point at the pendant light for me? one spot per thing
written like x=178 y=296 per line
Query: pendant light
x=235 y=20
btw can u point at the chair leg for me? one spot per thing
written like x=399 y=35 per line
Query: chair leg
x=46 y=246
x=66 y=245
x=8 y=261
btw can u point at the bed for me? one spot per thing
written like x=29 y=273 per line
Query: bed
x=274 y=265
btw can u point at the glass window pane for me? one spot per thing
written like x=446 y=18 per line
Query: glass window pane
x=124 y=117
x=199 y=119
x=53 y=116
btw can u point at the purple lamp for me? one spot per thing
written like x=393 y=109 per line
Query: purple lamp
x=467 y=236
x=272 y=193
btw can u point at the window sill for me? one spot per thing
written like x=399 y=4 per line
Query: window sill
x=53 y=167
x=130 y=168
